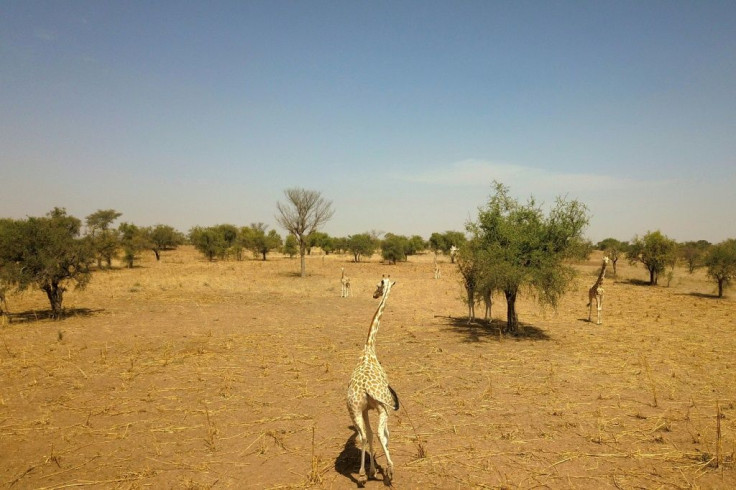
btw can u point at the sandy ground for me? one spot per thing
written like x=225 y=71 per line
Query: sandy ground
x=190 y=374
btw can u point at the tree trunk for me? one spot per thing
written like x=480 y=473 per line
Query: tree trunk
x=512 y=322
x=264 y=252
x=158 y=254
x=55 y=293
x=720 y=288
x=652 y=277
x=302 y=256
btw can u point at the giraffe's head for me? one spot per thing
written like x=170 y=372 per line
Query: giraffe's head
x=383 y=286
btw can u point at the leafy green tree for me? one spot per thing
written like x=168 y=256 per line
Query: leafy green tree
x=209 y=241
x=105 y=240
x=693 y=253
x=291 y=247
x=303 y=213
x=438 y=243
x=416 y=244
x=47 y=253
x=321 y=240
x=133 y=240
x=523 y=248
x=362 y=244
x=340 y=244
x=655 y=251
x=445 y=242
x=721 y=263
x=614 y=250
x=263 y=242
x=393 y=248
x=163 y=237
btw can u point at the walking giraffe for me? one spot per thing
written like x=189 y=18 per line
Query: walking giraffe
x=345 y=282
x=369 y=390
x=596 y=292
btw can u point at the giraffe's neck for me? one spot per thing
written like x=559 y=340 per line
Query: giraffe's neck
x=602 y=275
x=373 y=331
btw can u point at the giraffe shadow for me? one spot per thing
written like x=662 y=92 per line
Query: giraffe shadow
x=482 y=330
x=347 y=462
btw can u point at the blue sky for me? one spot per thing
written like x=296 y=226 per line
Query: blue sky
x=402 y=113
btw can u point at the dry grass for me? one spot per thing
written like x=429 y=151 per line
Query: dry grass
x=190 y=374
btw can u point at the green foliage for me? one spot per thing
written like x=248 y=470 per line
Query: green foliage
x=693 y=253
x=721 y=263
x=210 y=241
x=261 y=242
x=291 y=246
x=105 y=241
x=361 y=245
x=132 y=240
x=394 y=247
x=655 y=251
x=520 y=247
x=321 y=240
x=163 y=237
x=444 y=242
x=47 y=253
x=415 y=245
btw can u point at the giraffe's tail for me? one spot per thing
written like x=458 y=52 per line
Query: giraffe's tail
x=395 y=397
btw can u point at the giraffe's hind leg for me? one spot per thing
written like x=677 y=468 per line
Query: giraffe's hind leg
x=360 y=427
x=383 y=436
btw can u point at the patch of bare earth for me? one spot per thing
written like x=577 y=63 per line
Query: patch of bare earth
x=190 y=374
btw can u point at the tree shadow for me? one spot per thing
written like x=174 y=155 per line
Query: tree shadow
x=31 y=316
x=637 y=282
x=482 y=330
x=701 y=295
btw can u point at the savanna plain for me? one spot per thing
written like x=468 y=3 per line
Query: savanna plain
x=192 y=374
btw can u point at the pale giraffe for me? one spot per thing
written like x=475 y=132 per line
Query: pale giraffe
x=345 y=282
x=369 y=390
x=596 y=292
x=437 y=273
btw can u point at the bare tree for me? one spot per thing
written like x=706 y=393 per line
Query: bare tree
x=303 y=213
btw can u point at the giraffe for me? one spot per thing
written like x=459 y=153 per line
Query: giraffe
x=437 y=273
x=345 y=281
x=596 y=292
x=369 y=390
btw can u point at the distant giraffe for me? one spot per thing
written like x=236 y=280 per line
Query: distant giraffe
x=437 y=272
x=596 y=292
x=345 y=282
x=369 y=390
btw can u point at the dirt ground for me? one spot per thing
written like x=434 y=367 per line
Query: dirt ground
x=190 y=374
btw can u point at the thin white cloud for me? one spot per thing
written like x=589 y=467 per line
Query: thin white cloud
x=475 y=172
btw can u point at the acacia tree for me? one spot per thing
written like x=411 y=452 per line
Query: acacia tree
x=362 y=244
x=655 y=251
x=47 y=253
x=133 y=240
x=261 y=242
x=522 y=248
x=104 y=239
x=303 y=213
x=613 y=249
x=721 y=263
x=163 y=237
